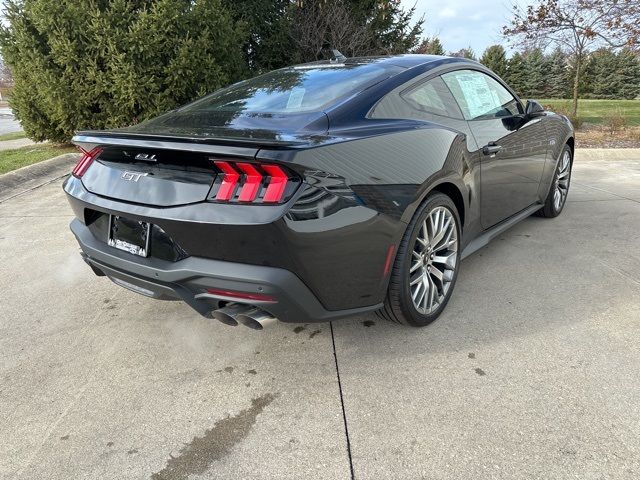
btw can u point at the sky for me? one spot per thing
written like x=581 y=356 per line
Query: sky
x=463 y=23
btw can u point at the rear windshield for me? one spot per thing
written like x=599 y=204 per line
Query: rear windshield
x=293 y=89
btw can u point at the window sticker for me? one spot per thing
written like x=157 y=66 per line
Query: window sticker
x=295 y=98
x=477 y=94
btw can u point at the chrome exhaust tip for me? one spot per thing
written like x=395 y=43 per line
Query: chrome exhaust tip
x=228 y=314
x=256 y=319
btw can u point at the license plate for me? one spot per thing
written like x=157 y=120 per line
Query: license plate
x=129 y=235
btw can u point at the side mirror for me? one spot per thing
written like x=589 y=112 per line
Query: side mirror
x=533 y=109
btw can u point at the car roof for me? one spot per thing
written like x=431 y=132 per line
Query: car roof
x=409 y=60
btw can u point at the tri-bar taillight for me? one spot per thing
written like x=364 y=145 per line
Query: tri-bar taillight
x=85 y=161
x=243 y=182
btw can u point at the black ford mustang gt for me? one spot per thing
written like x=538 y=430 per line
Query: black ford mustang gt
x=319 y=191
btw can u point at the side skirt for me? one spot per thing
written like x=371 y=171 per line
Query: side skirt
x=497 y=229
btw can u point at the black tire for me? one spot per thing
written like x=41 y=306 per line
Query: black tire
x=399 y=306
x=550 y=208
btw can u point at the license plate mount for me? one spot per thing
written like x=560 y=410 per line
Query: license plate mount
x=129 y=235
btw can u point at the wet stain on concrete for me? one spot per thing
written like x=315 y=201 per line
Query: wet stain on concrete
x=472 y=355
x=228 y=369
x=480 y=372
x=314 y=333
x=298 y=329
x=66 y=437
x=196 y=457
x=368 y=323
x=252 y=371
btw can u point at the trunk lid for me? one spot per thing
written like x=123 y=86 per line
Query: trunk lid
x=162 y=178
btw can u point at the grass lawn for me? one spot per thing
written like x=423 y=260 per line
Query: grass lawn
x=594 y=111
x=12 y=136
x=20 y=157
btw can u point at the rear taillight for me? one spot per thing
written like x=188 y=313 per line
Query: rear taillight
x=242 y=182
x=85 y=162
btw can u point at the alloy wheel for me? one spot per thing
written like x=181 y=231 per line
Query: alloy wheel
x=434 y=260
x=562 y=181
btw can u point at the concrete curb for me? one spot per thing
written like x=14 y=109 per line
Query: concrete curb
x=588 y=154
x=33 y=176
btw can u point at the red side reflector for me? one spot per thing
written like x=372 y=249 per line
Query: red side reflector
x=277 y=185
x=85 y=162
x=229 y=181
x=252 y=182
x=389 y=260
x=261 y=297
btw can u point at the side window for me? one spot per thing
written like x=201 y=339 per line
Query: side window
x=433 y=96
x=480 y=96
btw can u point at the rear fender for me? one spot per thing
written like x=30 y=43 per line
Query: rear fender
x=388 y=172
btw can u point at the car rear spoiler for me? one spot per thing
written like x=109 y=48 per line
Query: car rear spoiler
x=87 y=140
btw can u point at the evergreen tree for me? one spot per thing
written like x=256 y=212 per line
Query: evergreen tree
x=601 y=76
x=628 y=69
x=611 y=75
x=464 y=53
x=391 y=28
x=435 y=47
x=430 y=46
x=93 y=65
x=558 y=84
x=536 y=67
x=495 y=58
x=583 y=79
x=267 y=45
x=517 y=74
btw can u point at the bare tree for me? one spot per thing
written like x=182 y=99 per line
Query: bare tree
x=577 y=26
x=318 y=24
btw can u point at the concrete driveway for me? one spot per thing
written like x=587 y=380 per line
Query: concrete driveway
x=532 y=372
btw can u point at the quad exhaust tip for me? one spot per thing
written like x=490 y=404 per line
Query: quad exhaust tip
x=228 y=314
x=249 y=316
x=256 y=319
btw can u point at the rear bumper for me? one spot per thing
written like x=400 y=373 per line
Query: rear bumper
x=189 y=279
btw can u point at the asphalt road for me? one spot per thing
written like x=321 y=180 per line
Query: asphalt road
x=8 y=123
x=533 y=371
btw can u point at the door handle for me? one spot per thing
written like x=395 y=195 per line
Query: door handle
x=491 y=149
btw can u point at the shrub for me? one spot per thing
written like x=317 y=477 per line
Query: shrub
x=615 y=121
x=565 y=109
x=84 y=64
x=576 y=120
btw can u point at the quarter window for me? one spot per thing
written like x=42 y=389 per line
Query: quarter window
x=434 y=97
x=480 y=96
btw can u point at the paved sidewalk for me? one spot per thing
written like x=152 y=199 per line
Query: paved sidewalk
x=532 y=372
x=25 y=179
x=18 y=143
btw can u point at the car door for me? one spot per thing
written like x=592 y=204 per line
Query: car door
x=512 y=153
